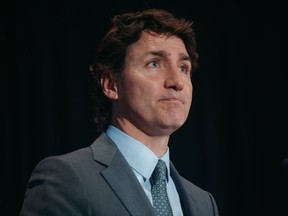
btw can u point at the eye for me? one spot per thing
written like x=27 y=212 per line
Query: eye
x=185 y=69
x=153 y=64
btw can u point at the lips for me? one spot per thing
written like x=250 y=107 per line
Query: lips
x=173 y=98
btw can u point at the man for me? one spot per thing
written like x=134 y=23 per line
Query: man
x=143 y=94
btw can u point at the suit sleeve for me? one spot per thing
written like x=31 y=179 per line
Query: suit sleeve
x=54 y=189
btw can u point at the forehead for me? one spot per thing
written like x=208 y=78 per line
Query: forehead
x=152 y=41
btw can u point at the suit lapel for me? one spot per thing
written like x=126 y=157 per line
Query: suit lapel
x=187 y=202
x=121 y=178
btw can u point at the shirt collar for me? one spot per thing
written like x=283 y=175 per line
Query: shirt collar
x=139 y=157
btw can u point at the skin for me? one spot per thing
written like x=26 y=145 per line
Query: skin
x=153 y=97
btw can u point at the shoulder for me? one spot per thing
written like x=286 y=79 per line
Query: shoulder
x=191 y=188
x=200 y=196
x=200 y=199
x=92 y=157
x=69 y=159
x=79 y=156
x=75 y=160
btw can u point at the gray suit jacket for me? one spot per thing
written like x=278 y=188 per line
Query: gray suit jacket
x=98 y=181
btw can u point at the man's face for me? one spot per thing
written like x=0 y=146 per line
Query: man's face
x=154 y=94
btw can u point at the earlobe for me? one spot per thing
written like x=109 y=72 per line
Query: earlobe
x=109 y=87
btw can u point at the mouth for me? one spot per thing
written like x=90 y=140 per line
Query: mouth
x=172 y=100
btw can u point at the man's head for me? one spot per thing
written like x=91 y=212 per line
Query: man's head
x=116 y=55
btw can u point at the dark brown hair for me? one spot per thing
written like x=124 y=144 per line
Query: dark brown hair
x=126 y=29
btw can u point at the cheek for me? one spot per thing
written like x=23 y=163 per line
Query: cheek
x=143 y=97
x=133 y=93
x=139 y=87
x=190 y=89
x=191 y=92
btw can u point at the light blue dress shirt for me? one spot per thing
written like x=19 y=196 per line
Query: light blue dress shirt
x=143 y=161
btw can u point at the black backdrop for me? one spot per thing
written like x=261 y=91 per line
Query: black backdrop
x=236 y=136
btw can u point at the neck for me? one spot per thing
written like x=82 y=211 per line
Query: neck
x=156 y=143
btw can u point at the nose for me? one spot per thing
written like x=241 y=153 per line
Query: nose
x=174 y=80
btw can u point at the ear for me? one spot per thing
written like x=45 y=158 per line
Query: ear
x=109 y=86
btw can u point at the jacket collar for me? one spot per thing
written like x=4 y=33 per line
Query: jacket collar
x=120 y=177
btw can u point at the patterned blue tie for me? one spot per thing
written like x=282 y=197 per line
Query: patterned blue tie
x=159 y=190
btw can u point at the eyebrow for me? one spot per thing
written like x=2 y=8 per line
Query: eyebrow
x=162 y=53
x=185 y=57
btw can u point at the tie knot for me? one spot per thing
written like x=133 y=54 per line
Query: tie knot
x=159 y=172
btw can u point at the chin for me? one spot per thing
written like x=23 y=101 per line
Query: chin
x=169 y=129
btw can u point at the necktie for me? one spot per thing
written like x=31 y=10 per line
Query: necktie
x=159 y=190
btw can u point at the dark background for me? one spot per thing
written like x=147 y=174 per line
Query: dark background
x=236 y=136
